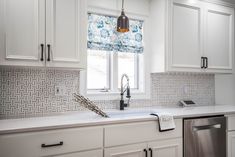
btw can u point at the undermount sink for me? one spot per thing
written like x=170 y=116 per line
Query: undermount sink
x=127 y=113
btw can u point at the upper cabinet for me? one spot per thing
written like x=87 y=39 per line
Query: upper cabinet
x=65 y=34
x=198 y=36
x=185 y=31
x=43 y=33
x=22 y=32
x=219 y=41
x=183 y=35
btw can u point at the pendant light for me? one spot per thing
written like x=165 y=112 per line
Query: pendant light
x=123 y=21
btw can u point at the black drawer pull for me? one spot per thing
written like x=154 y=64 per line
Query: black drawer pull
x=49 y=53
x=206 y=62
x=202 y=62
x=42 y=52
x=151 y=152
x=146 y=152
x=52 y=145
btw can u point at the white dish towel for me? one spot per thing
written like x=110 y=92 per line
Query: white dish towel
x=166 y=121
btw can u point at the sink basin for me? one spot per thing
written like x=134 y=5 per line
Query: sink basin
x=127 y=113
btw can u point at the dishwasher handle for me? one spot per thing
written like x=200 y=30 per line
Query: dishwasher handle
x=206 y=127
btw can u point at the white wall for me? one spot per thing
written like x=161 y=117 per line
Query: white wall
x=225 y=85
x=139 y=7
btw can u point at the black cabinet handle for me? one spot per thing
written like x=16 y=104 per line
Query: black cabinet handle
x=202 y=62
x=42 y=52
x=151 y=152
x=206 y=59
x=49 y=52
x=52 y=145
x=146 y=152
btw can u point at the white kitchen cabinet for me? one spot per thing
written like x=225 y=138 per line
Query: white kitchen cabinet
x=64 y=34
x=22 y=30
x=139 y=132
x=136 y=150
x=51 y=143
x=231 y=144
x=231 y=136
x=219 y=32
x=166 y=148
x=161 y=148
x=92 y=153
x=135 y=139
x=142 y=139
x=185 y=34
x=43 y=33
x=191 y=36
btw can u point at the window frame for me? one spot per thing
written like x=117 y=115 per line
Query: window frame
x=144 y=75
x=112 y=71
x=108 y=83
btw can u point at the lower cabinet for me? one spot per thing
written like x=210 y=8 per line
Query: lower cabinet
x=231 y=136
x=52 y=143
x=135 y=150
x=138 y=139
x=161 y=148
x=231 y=144
x=166 y=148
x=93 y=153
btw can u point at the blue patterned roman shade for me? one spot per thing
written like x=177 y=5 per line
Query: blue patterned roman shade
x=102 y=35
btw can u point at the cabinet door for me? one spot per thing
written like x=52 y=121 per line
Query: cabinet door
x=136 y=150
x=231 y=144
x=22 y=30
x=167 y=148
x=92 y=153
x=185 y=34
x=219 y=37
x=64 y=22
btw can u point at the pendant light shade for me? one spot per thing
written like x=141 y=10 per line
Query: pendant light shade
x=122 y=21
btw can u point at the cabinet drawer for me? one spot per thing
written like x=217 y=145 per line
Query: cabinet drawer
x=116 y=135
x=30 y=144
x=231 y=123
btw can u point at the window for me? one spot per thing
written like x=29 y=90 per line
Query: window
x=98 y=69
x=111 y=54
x=128 y=64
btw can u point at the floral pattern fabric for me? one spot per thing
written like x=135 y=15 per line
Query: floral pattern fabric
x=102 y=35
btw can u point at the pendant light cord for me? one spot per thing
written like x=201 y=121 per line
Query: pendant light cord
x=122 y=5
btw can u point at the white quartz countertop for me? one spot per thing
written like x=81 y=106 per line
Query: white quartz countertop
x=84 y=119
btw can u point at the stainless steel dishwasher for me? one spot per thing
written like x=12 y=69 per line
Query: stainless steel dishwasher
x=205 y=137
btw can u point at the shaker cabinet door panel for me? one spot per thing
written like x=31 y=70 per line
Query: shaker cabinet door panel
x=167 y=148
x=231 y=144
x=23 y=28
x=136 y=150
x=185 y=43
x=219 y=37
x=63 y=21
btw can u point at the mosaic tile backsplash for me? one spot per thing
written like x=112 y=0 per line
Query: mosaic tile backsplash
x=29 y=92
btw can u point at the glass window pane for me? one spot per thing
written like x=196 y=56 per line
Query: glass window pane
x=97 y=69
x=127 y=65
